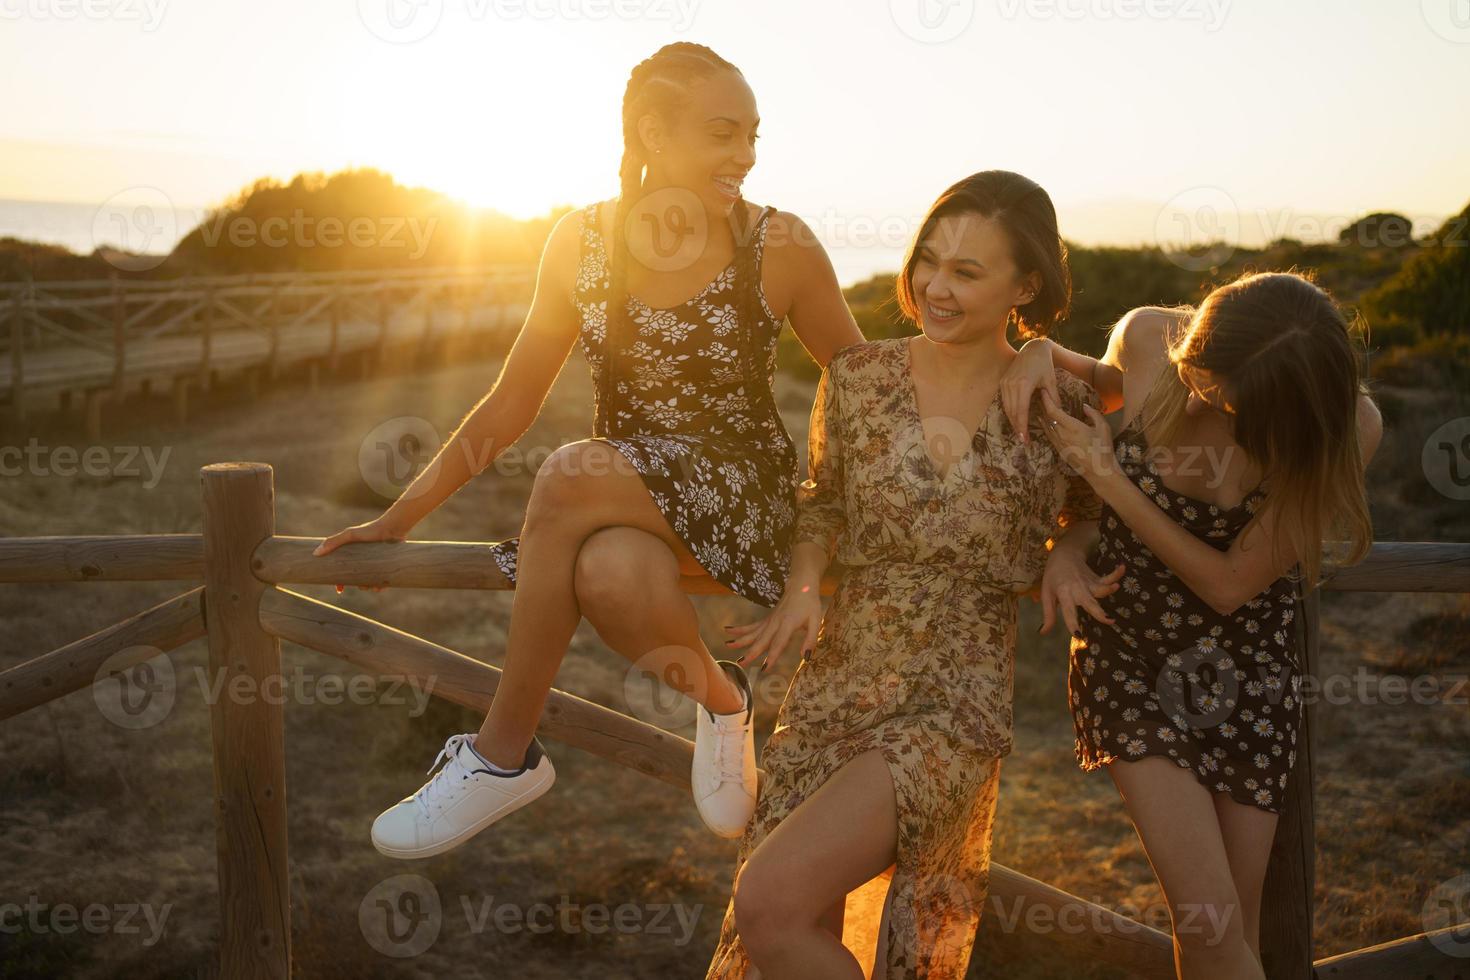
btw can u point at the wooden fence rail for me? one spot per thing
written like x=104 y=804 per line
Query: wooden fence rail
x=242 y=609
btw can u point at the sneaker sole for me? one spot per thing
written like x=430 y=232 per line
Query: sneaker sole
x=531 y=795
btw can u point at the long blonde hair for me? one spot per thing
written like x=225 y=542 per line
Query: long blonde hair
x=1292 y=364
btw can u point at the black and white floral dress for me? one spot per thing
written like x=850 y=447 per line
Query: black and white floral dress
x=697 y=419
x=1218 y=695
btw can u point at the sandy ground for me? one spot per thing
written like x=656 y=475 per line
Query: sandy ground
x=117 y=822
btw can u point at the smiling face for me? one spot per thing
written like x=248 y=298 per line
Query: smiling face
x=965 y=281
x=710 y=146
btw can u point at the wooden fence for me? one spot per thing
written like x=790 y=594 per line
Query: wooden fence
x=241 y=564
x=90 y=343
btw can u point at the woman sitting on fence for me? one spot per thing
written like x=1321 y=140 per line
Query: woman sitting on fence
x=887 y=748
x=1241 y=451
x=677 y=290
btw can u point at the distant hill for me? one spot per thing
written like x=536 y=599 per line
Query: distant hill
x=354 y=219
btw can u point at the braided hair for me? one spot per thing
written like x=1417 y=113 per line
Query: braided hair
x=660 y=85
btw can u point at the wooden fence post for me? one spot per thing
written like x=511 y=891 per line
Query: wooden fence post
x=426 y=339
x=334 y=344
x=17 y=356
x=248 y=731
x=206 y=342
x=1287 y=900
x=119 y=339
x=381 y=351
x=273 y=322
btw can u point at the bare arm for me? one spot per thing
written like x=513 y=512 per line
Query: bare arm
x=507 y=411
x=1140 y=332
x=1225 y=580
x=803 y=276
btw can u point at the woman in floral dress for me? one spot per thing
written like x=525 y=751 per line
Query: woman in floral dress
x=677 y=291
x=886 y=751
x=1242 y=449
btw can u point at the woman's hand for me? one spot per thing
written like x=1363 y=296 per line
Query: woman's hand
x=1068 y=582
x=798 y=610
x=382 y=528
x=1086 y=446
x=1032 y=370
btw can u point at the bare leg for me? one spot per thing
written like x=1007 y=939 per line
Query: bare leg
x=627 y=585
x=1248 y=832
x=840 y=837
x=582 y=488
x=1176 y=821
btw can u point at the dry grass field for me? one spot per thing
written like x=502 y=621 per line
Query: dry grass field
x=103 y=817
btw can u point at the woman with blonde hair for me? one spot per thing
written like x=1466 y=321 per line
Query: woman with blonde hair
x=1245 y=429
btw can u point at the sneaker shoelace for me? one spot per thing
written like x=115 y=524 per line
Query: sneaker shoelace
x=447 y=781
x=730 y=770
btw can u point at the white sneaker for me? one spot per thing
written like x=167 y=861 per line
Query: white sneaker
x=461 y=800
x=724 y=773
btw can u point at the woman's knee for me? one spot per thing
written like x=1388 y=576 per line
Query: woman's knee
x=1211 y=926
x=615 y=568
x=759 y=895
x=569 y=479
x=769 y=900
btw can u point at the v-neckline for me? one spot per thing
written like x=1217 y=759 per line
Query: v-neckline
x=918 y=417
x=704 y=291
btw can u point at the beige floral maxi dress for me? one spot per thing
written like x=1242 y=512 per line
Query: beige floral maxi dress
x=915 y=654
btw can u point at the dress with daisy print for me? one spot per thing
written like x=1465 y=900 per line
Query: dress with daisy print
x=1217 y=694
x=698 y=423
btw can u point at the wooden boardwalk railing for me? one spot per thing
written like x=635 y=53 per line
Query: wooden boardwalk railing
x=92 y=342
x=245 y=613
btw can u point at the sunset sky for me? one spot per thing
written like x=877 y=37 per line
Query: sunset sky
x=1293 y=116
